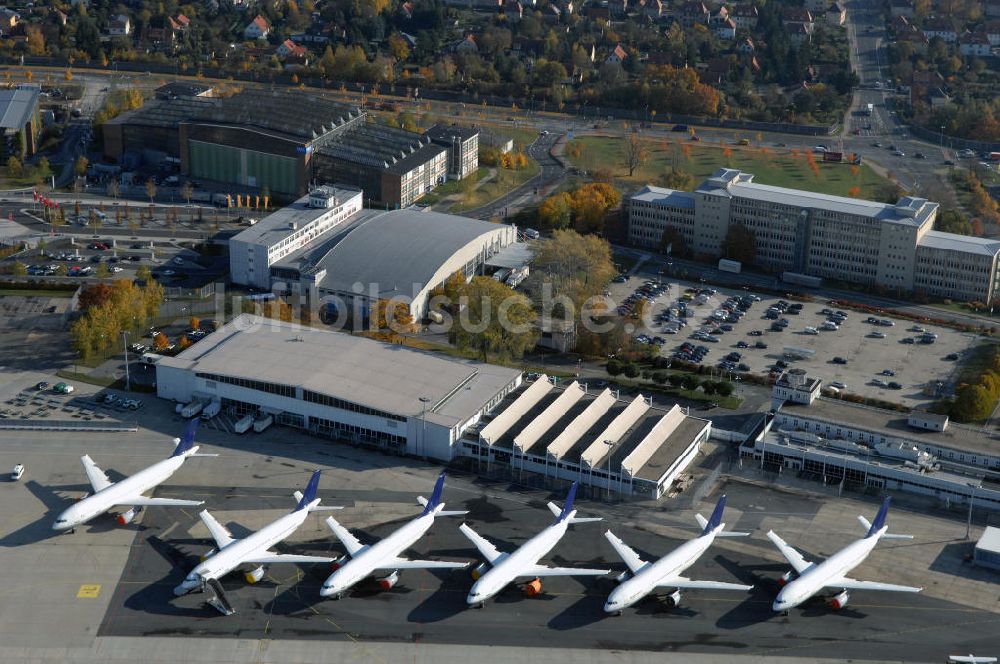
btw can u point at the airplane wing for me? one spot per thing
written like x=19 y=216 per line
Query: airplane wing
x=681 y=582
x=406 y=563
x=798 y=563
x=971 y=659
x=627 y=553
x=97 y=478
x=220 y=533
x=489 y=552
x=350 y=542
x=143 y=501
x=269 y=557
x=853 y=584
x=544 y=570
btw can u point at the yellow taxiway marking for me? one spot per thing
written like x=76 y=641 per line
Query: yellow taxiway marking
x=89 y=591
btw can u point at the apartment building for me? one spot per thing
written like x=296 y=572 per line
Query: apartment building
x=847 y=239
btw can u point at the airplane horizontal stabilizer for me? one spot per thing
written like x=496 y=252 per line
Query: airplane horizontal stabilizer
x=543 y=570
x=627 y=553
x=142 y=501
x=887 y=536
x=349 y=541
x=798 y=563
x=270 y=558
x=488 y=551
x=451 y=513
x=97 y=478
x=853 y=584
x=681 y=582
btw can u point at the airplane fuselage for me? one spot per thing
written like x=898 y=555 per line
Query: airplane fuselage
x=130 y=487
x=814 y=579
x=364 y=563
x=514 y=565
x=236 y=552
x=649 y=577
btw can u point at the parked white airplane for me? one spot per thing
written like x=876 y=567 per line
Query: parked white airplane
x=254 y=549
x=128 y=492
x=505 y=568
x=645 y=577
x=384 y=555
x=831 y=573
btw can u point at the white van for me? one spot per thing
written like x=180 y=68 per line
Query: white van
x=829 y=326
x=810 y=330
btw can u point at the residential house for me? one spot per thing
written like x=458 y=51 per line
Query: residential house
x=836 y=14
x=992 y=31
x=746 y=47
x=726 y=30
x=719 y=17
x=974 y=44
x=717 y=70
x=567 y=6
x=467 y=45
x=161 y=32
x=183 y=22
x=8 y=20
x=901 y=8
x=798 y=33
x=288 y=48
x=745 y=15
x=693 y=12
x=258 y=28
x=120 y=26
x=59 y=17
x=552 y=14
x=617 y=56
x=939 y=26
x=921 y=84
x=653 y=9
x=911 y=35
x=792 y=17
x=899 y=24
x=513 y=9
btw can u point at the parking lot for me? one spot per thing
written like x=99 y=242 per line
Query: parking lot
x=884 y=361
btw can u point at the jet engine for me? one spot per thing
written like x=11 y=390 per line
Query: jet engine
x=786 y=577
x=387 y=582
x=533 y=588
x=255 y=575
x=623 y=577
x=840 y=600
x=126 y=518
x=673 y=599
x=208 y=554
x=479 y=570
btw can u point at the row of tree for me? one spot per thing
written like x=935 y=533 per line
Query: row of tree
x=108 y=310
x=686 y=381
x=975 y=401
x=585 y=208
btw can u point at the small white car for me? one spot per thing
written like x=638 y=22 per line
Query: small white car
x=132 y=404
x=178 y=260
x=17 y=472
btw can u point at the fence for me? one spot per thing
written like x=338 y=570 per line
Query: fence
x=953 y=141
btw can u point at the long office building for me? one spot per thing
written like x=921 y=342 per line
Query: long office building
x=878 y=244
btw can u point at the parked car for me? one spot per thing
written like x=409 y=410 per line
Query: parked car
x=42 y=385
x=840 y=385
x=132 y=404
x=17 y=472
x=839 y=360
x=895 y=386
x=63 y=388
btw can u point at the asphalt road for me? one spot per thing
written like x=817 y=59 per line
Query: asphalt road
x=430 y=608
x=550 y=173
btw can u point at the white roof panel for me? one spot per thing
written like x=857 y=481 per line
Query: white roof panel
x=581 y=423
x=493 y=431
x=626 y=419
x=656 y=437
x=557 y=409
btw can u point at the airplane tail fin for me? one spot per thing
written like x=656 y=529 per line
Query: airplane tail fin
x=708 y=525
x=309 y=494
x=567 y=509
x=187 y=440
x=435 y=500
x=879 y=522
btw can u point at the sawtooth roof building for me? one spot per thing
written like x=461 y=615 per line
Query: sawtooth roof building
x=337 y=385
x=848 y=239
x=280 y=142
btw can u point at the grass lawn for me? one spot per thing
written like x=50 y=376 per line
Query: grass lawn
x=782 y=168
x=451 y=187
x=497 y=187
x=624 y=262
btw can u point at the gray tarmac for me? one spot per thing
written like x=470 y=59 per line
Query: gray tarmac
x=429 y=608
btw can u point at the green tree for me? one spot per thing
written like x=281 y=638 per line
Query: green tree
x=953 y=221
x=114 y=190
x=42 y=170
x=724 y=388
x=615 y=367
x=631 y=370
x=15 y=168
x=555 y=211
x=494 y=319
x=678 y=179
x=150 y=190
x=660 y=377
x=740 y=244
x=187 y=191
x=690 y=382
x=973 y=403
x=20 y=269
x=672 y=241
x=103 y=272
x=80 y=167
x=634 y=153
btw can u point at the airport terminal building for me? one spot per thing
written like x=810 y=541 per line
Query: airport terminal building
x=850 y=239
x=337 y=385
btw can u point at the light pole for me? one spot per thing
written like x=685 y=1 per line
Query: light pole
x=423 y=427
x=607 y=468
x=125 y=346
x=968 y=522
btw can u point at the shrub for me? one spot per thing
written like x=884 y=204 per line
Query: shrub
x=615 y=367
x=660 y=377
x=631 y=370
